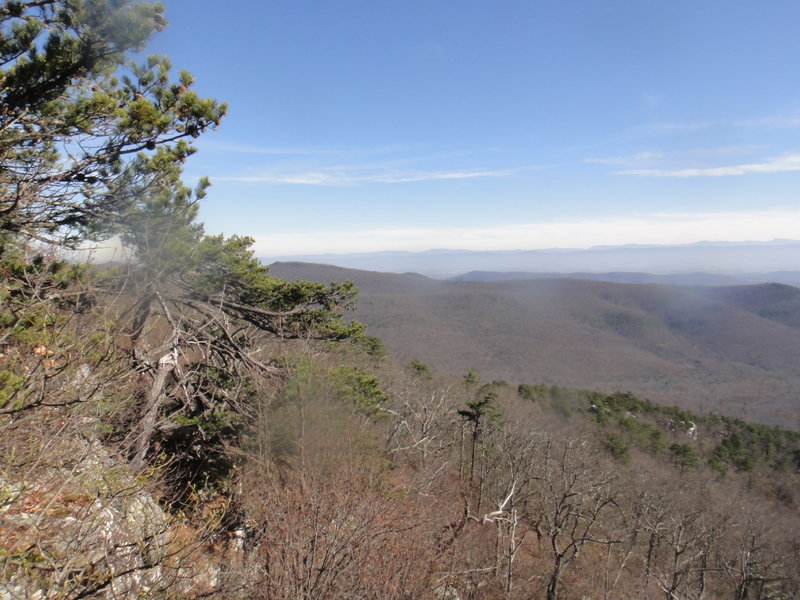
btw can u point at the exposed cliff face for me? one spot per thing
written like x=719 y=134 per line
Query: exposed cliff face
x=77 y=523
x=84 y=524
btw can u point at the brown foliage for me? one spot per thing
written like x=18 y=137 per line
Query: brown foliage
x=352 y=532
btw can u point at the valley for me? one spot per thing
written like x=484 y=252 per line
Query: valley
x=727 y=350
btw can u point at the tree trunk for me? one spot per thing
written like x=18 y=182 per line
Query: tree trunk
x=139 y=323
x=651 y=547
x=151 y=408
x=552 y=586
x=472 y=455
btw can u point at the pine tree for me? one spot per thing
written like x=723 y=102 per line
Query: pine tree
x=201 y=309
x=82 y=126
x=92 y=145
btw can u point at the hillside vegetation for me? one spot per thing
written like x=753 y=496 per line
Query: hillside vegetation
x=187 y=424
x=729 y=350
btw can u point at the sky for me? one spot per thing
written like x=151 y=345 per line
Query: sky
x=494 y=125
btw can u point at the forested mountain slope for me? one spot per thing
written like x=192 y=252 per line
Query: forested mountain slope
x=730 y=350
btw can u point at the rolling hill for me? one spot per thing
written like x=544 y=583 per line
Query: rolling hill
x=730 y=350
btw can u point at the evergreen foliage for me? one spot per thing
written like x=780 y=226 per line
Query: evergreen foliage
x=92 y=144
x=683 y=456
x=638 y=423
x=83 y=128
x=359 y=389
x=420 y=369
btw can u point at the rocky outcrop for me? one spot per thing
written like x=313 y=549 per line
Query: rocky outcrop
x=85 y=528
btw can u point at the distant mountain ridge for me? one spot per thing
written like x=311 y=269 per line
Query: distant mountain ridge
x=702 y=279
x=731 y=350
x=725 y=258
x=618 y=277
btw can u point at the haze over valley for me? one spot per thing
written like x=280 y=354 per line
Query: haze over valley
x=731 y=350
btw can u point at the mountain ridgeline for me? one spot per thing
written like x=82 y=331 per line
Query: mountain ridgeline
x=743 y=262
x=713 y=349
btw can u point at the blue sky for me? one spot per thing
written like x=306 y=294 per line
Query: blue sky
x=363 y=126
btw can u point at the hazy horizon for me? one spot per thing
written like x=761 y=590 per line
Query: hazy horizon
x=717 y=243
x=711 y=257
x=665 y=230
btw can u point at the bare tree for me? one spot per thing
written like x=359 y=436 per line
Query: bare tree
x=336 y=535
x=572 y=499
x=761 y=559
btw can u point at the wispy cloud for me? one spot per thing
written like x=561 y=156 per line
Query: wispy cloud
x=340 y=176
x=656 y=228
x=676 y=126
x=778 y=164
x=631 y=160
x=726 y=150
x=412 y=176
x=352 y=166
x=272 y=151
x=790 y=121
x=775 y=122
x=646 y=160
x=300 y=151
